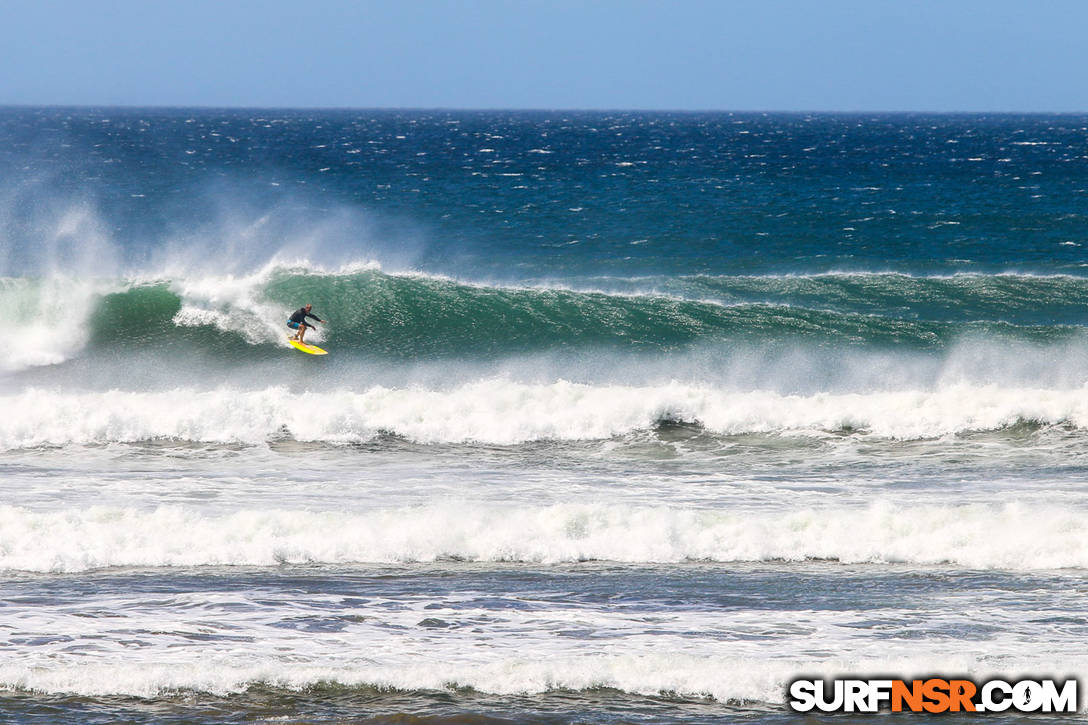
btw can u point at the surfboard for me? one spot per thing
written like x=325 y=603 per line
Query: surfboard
x=311 y=349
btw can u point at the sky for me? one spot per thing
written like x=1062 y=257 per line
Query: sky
x=799 y=55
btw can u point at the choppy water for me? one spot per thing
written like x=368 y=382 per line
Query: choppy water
x=626 y=417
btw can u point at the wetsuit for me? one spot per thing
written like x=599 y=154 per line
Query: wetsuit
x=298 y=319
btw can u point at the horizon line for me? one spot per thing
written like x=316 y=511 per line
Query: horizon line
x=514 y=109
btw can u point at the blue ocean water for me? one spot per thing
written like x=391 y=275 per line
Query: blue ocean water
x=627 y=417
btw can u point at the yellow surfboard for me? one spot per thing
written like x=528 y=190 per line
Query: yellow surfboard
x=311 y=349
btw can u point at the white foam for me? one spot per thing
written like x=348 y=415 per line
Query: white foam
x=223 y=642
x=237 y=304
x=726 y=679
x=503 y=412
x=1009 y=536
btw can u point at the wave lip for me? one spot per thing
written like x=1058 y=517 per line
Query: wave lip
x=1013 y=536
x=499 y=411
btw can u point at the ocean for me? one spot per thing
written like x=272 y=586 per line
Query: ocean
x=626 y=417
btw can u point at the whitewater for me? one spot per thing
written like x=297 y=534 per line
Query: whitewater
x=626 y=417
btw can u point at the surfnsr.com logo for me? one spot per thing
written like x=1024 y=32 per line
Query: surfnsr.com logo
x=933 y=695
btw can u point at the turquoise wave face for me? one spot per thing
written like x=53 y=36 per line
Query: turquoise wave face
x=415 y=316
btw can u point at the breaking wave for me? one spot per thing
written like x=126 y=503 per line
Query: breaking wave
x=416 y=316
x=505 y=412
x=1014 y=537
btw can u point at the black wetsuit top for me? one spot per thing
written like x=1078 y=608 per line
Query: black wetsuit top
x=301 y=314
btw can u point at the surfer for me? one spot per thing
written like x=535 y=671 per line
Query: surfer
x=297 y=321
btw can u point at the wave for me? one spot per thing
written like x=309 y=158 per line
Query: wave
x=669 y=678
x=1016 y=298
x=416 y=316
x=585 y=678
x=507 y=676
x=1012 y=537
x=1013 y=297
x=504 y=412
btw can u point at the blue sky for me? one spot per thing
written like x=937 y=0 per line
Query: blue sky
x=844 y=55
